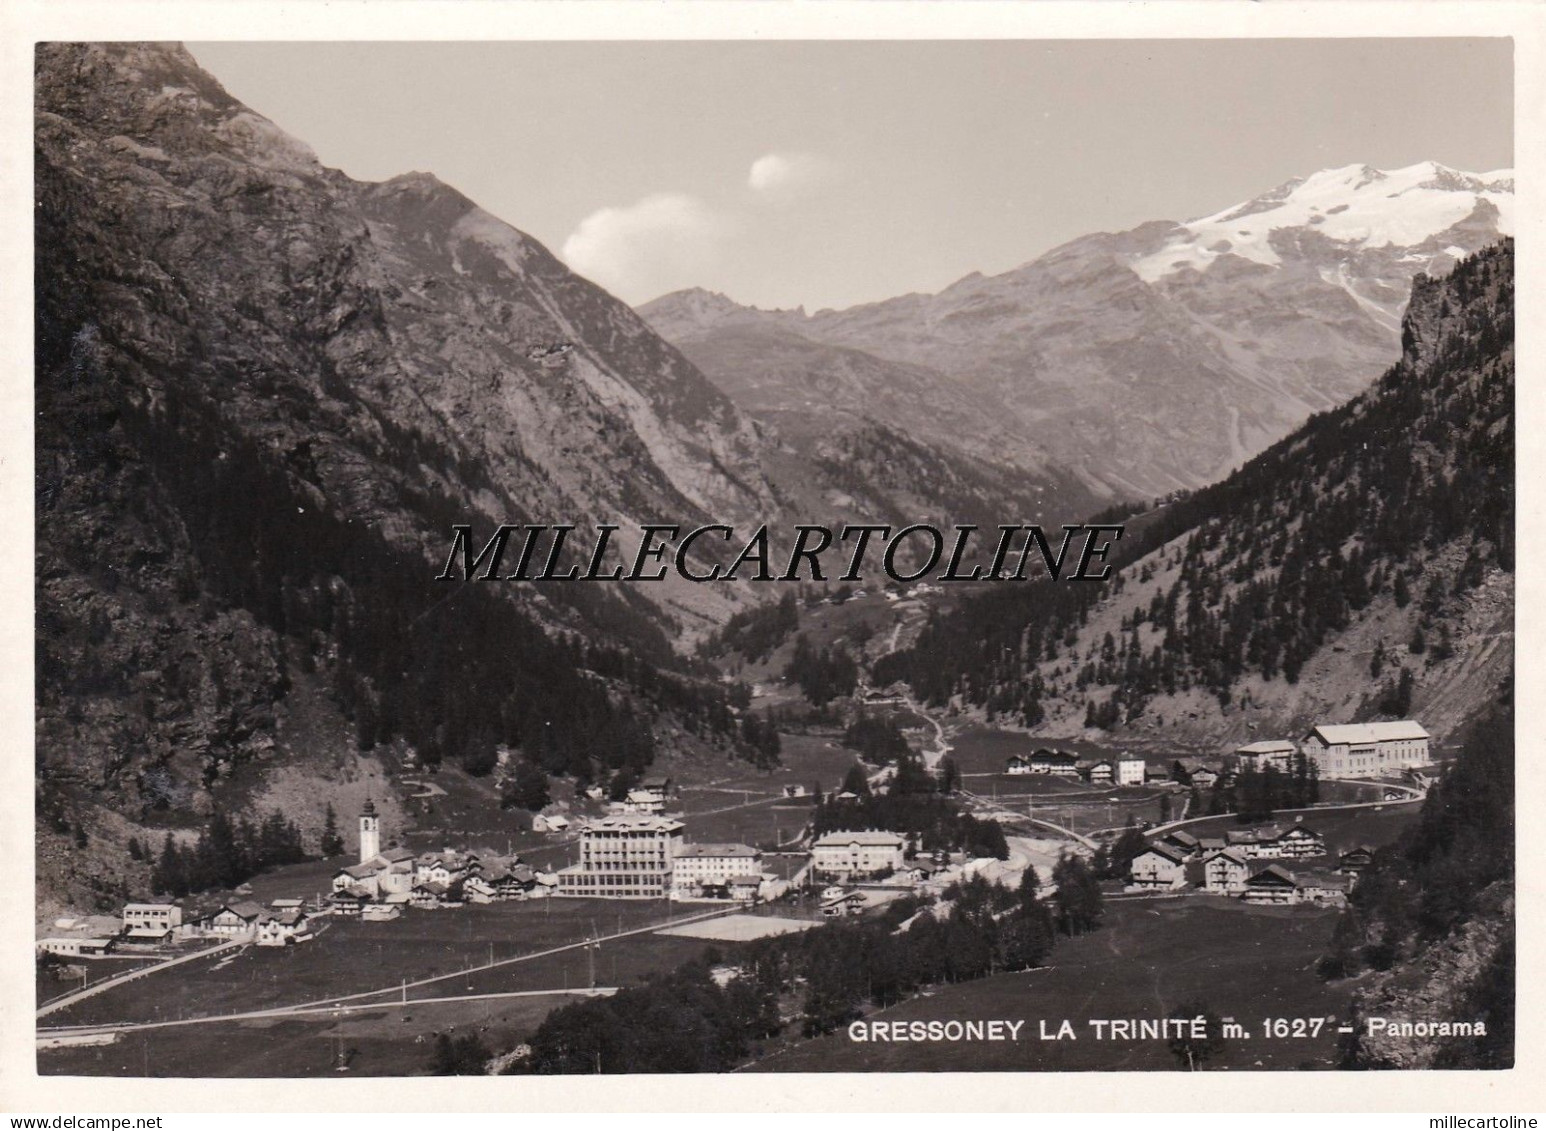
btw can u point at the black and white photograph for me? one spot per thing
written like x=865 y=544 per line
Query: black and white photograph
x=870 y=556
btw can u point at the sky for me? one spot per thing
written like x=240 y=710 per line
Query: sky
x=828 y=174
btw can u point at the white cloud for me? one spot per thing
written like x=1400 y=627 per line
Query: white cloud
x=661 y=243
x=788 y=176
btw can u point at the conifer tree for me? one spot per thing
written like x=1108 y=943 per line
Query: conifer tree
x=332 y=843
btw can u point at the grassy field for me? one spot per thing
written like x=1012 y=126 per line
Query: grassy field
x=763 y=823
x=1244 y=963
x=352 y=956
x=805 y=759
x=393 y=1039
x=377 y=1043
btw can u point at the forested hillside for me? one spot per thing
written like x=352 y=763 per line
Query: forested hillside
x=1362 y=564
x=264 y=393
x=1433 y=917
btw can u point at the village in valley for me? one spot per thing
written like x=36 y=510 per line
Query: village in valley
x=637 y=851
x=635 y=879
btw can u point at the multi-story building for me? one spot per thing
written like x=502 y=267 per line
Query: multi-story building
x=1278 y=754
x=1103 y=772
x=1058 y=763
x=1366 y=750
x=857 y=853
x=1157 y=868
x=1272 y=884
x=1225 y=872
x=1130 y=771
x=1298 y=842
x=160 y=918
x=697 y=866
x=624 y=856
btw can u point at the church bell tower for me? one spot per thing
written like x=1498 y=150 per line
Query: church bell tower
x=370 y=832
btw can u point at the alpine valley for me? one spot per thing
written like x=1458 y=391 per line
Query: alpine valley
x=266 y=392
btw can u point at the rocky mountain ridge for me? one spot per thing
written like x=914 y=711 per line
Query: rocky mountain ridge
x=1147 y=360
x=1362 y=567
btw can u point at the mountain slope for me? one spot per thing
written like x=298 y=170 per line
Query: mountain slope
x=1163 y=357
x=1361 y=567
x=265 y=392
x=867 y=439
x=808 y=389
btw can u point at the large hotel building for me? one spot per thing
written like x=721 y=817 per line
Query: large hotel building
x=1362 y=750
x=622 y=856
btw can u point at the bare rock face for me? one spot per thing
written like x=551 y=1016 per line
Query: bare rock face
x=1422 y=1000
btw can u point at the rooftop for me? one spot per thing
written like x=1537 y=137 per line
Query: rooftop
x=1175 y=856
x=743 y=850
x=632 y=822
x=867 y=837
x=1271 y=746
x=1335 y=734
x=1273 y=873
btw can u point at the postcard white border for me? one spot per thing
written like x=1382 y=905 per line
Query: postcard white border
x=23 y=23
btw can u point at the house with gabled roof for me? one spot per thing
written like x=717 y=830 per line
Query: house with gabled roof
x=1157 y=868
x=1277 y=753
x=1353 y=862
x=1101 y=772
x=233 y=920
x=429 y=895
x=1323 y=887
x=1182 y=841
x=349 y=900
x=1298 y=841
x=1225 y=872
x=1058 y=763
x=1273 y=884
x=283 y=928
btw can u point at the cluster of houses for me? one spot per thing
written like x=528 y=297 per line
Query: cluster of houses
x=378 y=889
x=640 y=855
x=151 y=926
x=1061 y=764
x=648 y=797
x=1245 y=863
x=384 y=882
x=1336 y=750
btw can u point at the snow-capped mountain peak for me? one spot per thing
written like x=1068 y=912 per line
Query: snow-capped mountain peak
x=1355 y=207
